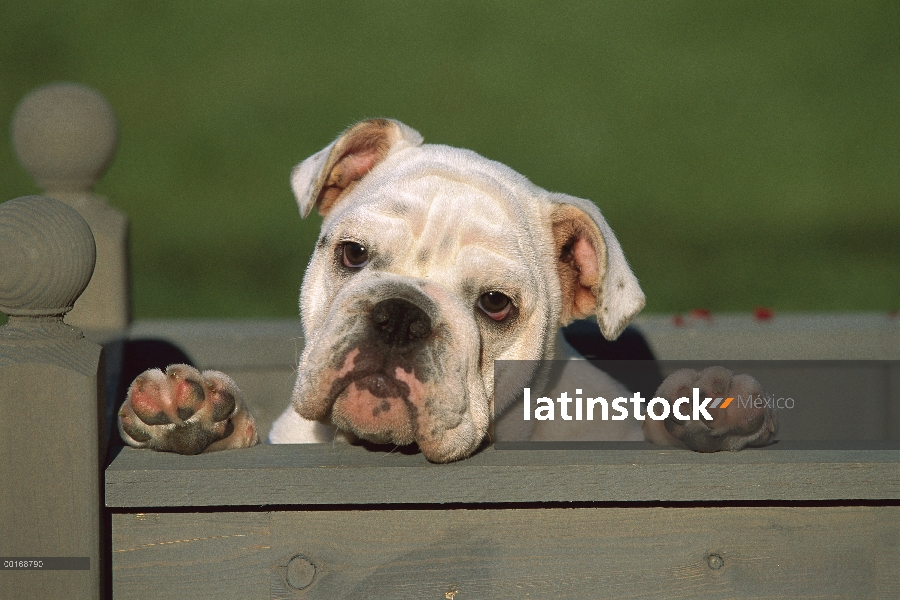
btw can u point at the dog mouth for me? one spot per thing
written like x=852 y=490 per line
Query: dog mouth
x=379 y=391
x=375 y=406
x=397 y=401
x=382 y=386
x=393 y=372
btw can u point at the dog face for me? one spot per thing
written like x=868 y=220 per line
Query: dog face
x=432 y=263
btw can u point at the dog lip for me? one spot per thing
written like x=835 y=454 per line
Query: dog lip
x=379 y=391
x=382 y=385
x=376 y=381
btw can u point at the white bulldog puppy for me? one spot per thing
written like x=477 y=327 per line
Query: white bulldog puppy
x=432 y=263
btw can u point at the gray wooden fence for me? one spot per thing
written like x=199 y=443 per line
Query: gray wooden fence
x=795 y=520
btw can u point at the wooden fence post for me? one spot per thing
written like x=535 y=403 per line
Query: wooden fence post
x=65 y=135
x=51 y=394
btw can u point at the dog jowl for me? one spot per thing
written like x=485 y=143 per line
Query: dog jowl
x=432 y=263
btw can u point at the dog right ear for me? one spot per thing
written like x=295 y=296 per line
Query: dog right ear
x=326 y=176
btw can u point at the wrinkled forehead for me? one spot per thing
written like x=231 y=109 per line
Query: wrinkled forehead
x=429 y=213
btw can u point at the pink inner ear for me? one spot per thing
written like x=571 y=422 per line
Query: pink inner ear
x=586 y=260
x=354 y=166
x=350 y=168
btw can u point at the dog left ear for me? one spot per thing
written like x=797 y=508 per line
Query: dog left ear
x=594 y=276
x=325 y=177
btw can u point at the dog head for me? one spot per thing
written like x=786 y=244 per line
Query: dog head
x=432 y=263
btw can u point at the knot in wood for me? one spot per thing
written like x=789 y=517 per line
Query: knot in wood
x=715 y=561
x=300 y=572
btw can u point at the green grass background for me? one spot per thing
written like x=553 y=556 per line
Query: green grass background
x=746 y=153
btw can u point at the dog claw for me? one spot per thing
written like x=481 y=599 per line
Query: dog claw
x=185 y=411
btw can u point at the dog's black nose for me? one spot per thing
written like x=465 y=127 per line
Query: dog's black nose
x=399 y=322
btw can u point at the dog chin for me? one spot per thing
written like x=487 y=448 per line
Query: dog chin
x=376 y=408
x=392 y=420
x=383 y=407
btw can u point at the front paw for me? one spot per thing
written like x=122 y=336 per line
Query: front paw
x=185 y=411
x=746 y=421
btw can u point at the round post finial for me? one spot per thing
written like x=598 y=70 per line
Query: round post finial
x=47 y=256
x=65 y=135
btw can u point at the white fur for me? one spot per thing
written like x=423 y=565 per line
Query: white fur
x=477 y=220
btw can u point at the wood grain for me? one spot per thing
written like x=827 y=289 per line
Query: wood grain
x=313 y=474
x=759 y=552
x=50 y=478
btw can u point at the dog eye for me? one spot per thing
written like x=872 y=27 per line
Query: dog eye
x=355 y=256
x=496 y=305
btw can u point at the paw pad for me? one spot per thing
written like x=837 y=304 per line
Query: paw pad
x=185 y=411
